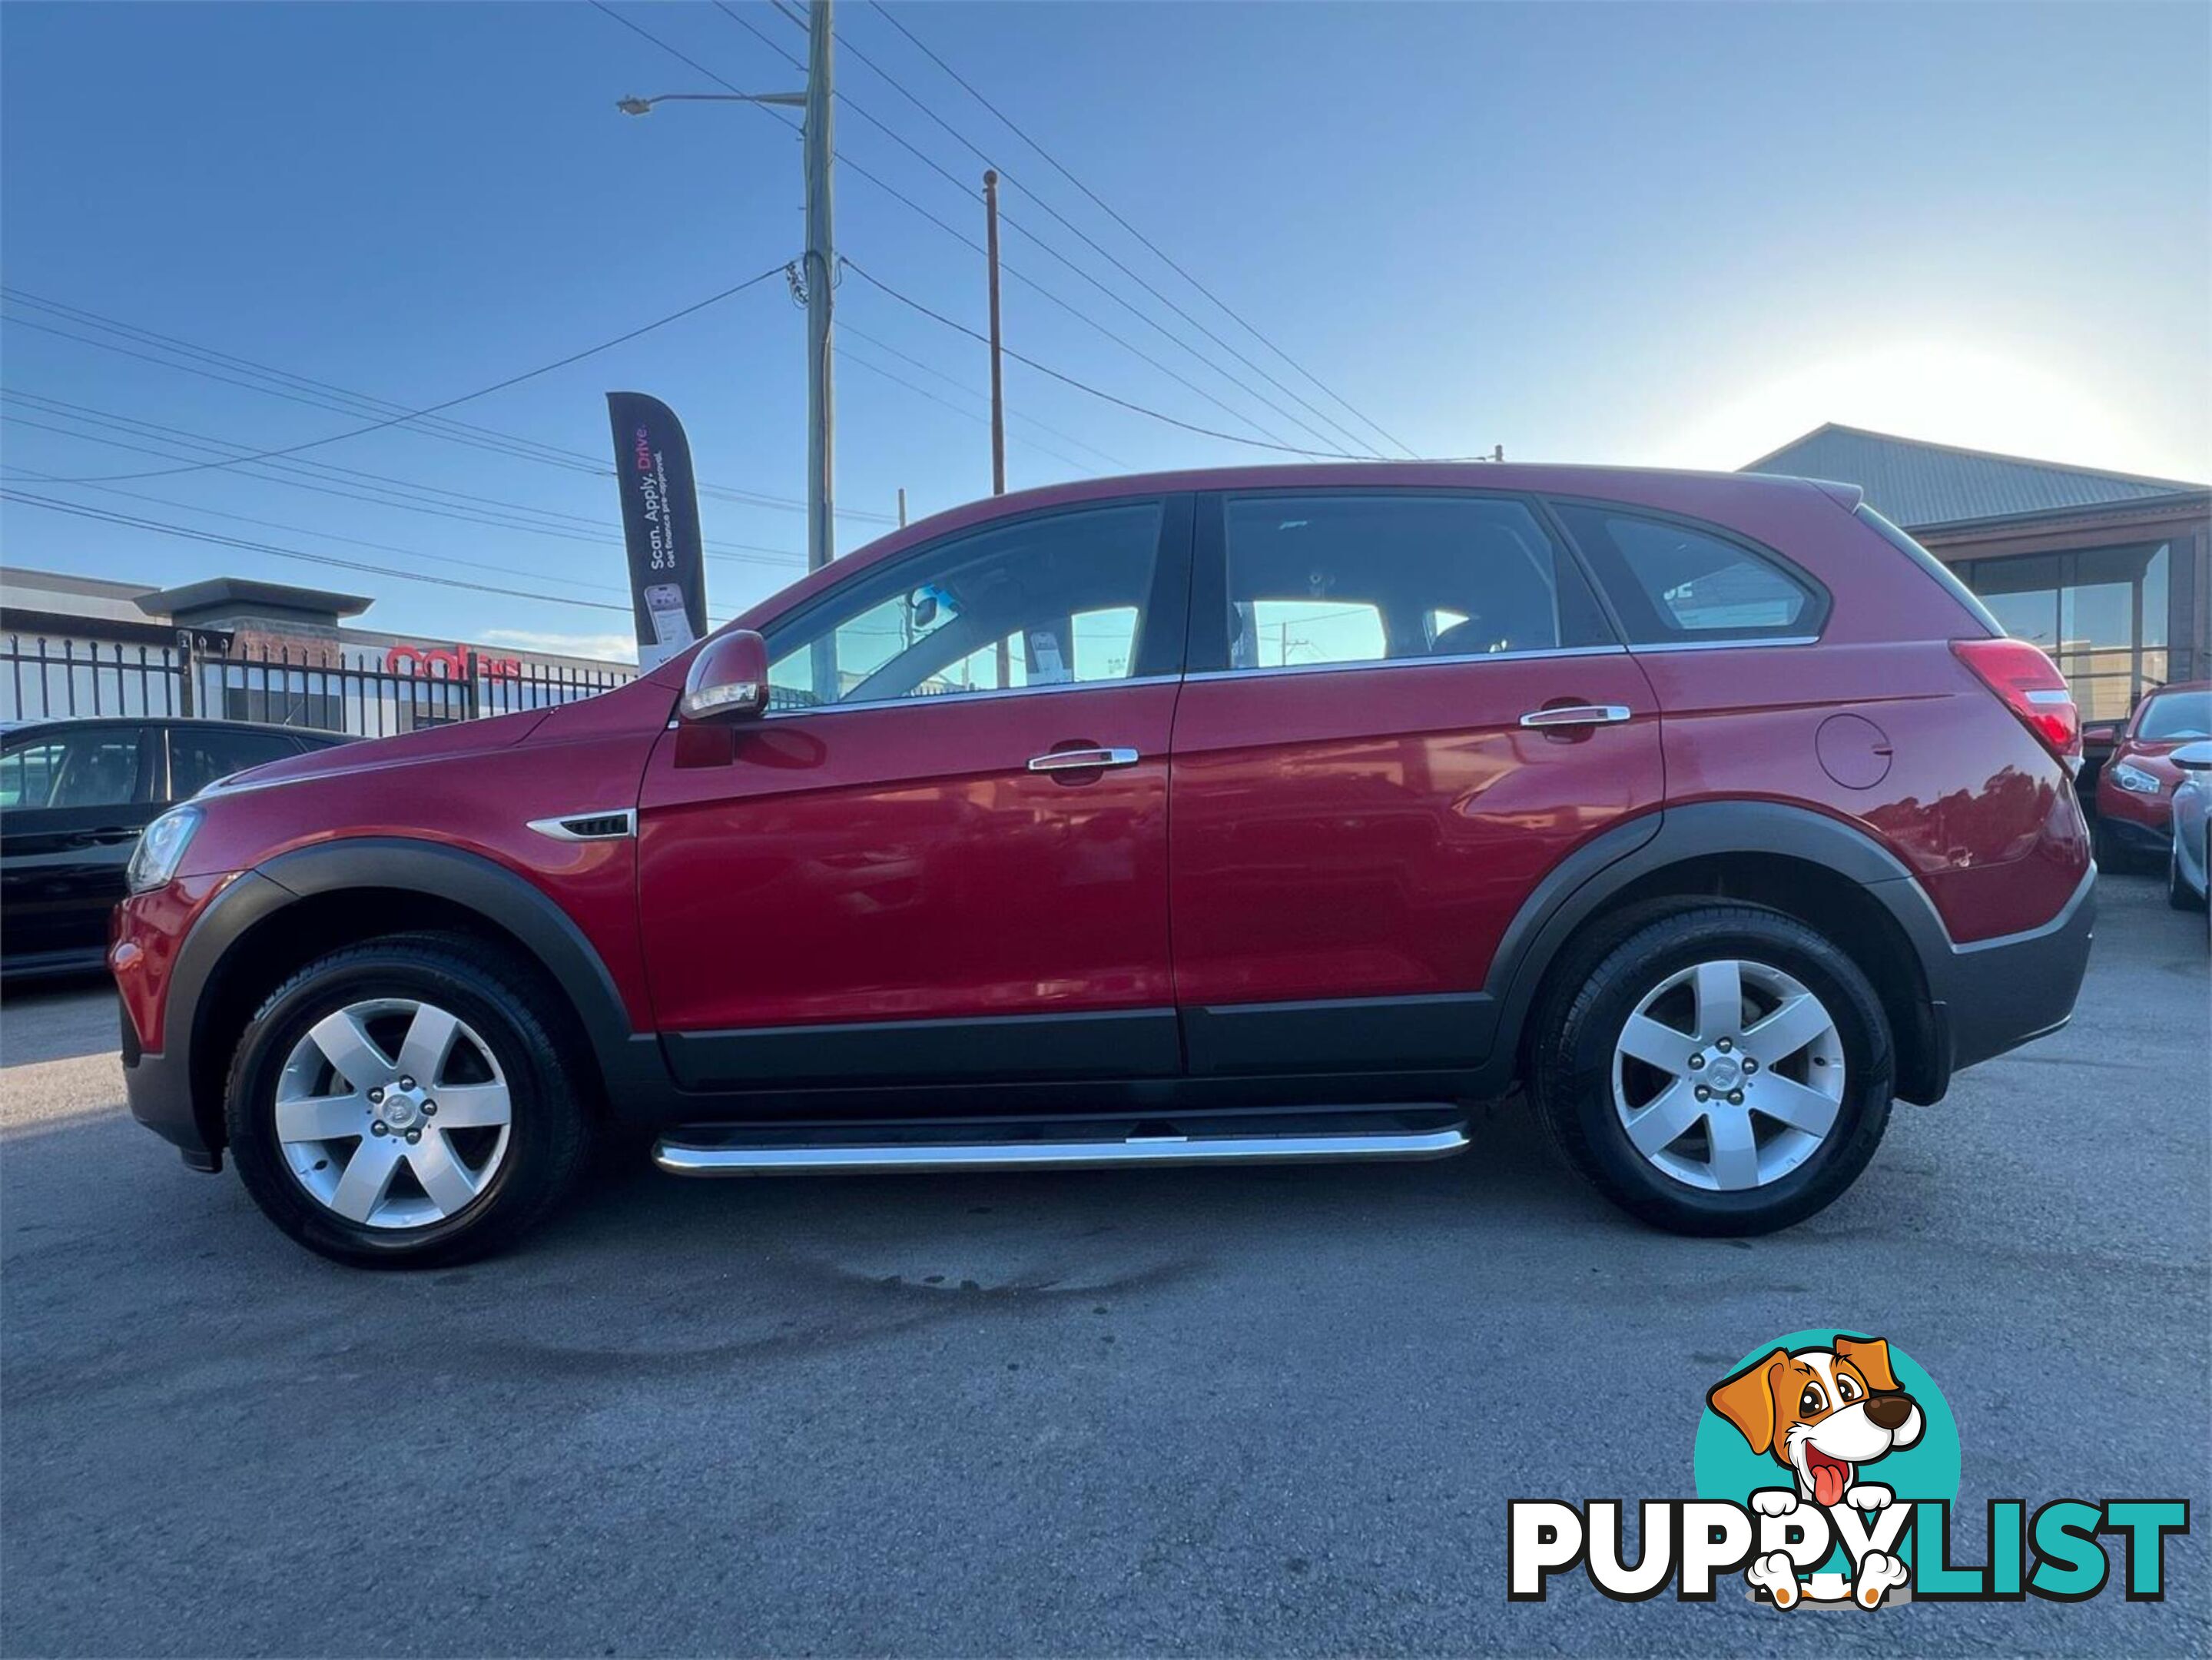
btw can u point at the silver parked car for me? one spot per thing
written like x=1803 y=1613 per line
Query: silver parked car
x=2186 y=865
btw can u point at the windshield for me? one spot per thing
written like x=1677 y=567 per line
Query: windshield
x=2176 y=717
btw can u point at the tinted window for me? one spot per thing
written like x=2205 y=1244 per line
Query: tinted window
x=97 y=767
x=1047 y=601
x=197 y=759
x=1364 y=578
x=1672 y=583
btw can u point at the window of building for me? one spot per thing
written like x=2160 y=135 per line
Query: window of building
x=1672 y=583
x=1369 y=577
x=2100 y=613
x=1054 y=601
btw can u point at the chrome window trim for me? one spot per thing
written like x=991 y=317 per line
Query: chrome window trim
x=965 y=697
x=1409 y=662
x=1728 y=645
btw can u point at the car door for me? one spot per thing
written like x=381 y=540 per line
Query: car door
x=1404 y=709
x=942 y=853
x=72 y=801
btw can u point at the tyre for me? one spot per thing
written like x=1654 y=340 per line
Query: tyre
x=403 y=1103
x=1714 y=1068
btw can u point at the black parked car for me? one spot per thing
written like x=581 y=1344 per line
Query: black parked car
x=74 y=794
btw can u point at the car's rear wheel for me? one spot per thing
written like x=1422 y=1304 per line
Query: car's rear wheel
x=402 y=1103
x=1715 y=1068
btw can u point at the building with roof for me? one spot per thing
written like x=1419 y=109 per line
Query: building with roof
x=2110 y=573
x=252 y=650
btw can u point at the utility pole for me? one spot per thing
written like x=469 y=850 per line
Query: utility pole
x=821 y=271
x=998 y=380
x=901 y=506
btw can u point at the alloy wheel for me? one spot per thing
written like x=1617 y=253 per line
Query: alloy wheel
x=1729 y=1075
x=393 y=1113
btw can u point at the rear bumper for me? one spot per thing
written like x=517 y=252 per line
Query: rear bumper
x=1995 y=995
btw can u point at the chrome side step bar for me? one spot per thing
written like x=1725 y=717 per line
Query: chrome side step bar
x=731 y=1156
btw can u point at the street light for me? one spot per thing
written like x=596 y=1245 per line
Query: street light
x=819 y=268
x=644 y=105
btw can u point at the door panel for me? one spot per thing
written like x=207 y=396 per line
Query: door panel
x=1370 y=832
x=903 y=862
x=76 y=803
x=1352 y=836
x=942 y=854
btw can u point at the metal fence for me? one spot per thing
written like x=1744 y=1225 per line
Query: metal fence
x=43 y=677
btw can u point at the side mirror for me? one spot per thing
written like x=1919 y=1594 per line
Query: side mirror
x=728 y=680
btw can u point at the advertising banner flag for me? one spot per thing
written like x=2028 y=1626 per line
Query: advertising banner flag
x=660 y=523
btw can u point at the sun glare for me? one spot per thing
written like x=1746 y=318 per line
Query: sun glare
x=1938 y=392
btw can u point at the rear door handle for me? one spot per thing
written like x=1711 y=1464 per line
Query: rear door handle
x=1574 y=714
x=1082 y=760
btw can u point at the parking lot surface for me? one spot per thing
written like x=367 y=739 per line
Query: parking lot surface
x=1244 y=1412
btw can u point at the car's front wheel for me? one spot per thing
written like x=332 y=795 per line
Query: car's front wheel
x=402 y=1103
x=1715 y=1068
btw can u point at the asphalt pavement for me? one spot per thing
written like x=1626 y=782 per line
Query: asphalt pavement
x=1261 y=1411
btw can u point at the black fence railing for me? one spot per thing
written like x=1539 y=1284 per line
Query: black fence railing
x=47 y=679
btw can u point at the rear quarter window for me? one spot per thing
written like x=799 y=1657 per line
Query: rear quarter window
x=1673 y=583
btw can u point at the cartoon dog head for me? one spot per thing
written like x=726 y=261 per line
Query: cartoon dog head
x=1822 y=1413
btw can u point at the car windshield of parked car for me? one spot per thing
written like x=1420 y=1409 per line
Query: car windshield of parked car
x=2176 y=717
x=97 y=769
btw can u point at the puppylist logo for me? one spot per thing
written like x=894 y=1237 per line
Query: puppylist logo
x=1827 y=1465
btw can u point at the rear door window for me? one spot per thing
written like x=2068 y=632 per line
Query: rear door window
x=1674 y=584
x=1352 y=577
x=198 y=759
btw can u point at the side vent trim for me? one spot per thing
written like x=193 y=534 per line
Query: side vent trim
x=589 y=826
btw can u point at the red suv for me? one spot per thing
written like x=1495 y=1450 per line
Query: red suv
x=2134 y=790
x=1240 y=816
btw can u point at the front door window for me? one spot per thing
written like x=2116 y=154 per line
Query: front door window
x=1057 y=600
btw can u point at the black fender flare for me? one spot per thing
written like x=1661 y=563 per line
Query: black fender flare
x=630 y=1062
x=1580 y=887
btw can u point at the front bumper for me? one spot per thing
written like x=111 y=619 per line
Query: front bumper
x=2133 y=835
x=160 y=1089
x=1995 y=994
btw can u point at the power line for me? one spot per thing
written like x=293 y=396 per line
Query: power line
x=1014 y=415
x=850 y=357
x=1011 y=223
x=450 y=403
x=465 y=431
x=377 y=490
x=1069 y=379
x=330 y=536
x=849 y=165
x=188 y=534
x=1107 y=254
x=1157 y=251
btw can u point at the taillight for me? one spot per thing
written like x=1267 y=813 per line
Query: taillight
x=2032 y=688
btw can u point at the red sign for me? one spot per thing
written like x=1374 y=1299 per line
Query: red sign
x=452 y=662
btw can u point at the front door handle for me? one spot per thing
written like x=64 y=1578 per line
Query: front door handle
x=1082 y=760
x=1578 y=714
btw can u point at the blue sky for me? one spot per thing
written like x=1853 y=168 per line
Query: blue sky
x=1657 y=233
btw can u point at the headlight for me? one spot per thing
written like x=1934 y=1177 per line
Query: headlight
x=161 y=848
x=2135 y=780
